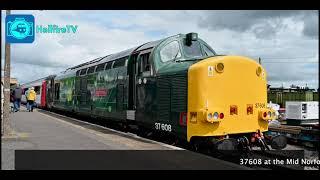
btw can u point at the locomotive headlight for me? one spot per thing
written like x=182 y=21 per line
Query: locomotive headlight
x=215 y=115
x=269 y=114
x=210 y=116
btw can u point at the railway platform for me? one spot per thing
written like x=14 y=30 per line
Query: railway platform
x=43 y=131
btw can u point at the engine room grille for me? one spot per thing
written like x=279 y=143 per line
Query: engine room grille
x=172 y=95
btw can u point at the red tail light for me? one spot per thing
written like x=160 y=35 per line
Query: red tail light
x=221 y=116
x=265 y=114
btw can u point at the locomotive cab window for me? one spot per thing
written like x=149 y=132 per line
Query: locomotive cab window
x=192 y=50
x=207 y=51
x=145 y=65
x=170 y=51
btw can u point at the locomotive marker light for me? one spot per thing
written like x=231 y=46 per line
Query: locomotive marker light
x=219 y=67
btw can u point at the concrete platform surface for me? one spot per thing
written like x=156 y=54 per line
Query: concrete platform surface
x=41 y=131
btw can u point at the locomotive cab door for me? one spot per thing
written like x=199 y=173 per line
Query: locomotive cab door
x=145 y=88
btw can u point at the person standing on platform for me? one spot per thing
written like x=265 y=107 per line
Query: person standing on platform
x=17 y=98
x=26 y=93
x=31 y=98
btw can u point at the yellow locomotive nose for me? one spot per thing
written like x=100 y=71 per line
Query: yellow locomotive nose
x=227 y=95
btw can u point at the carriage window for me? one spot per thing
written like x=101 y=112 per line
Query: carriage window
x=37 y=90
x=56 y=90
x=100 y=67
x=83 y=71
x=120 y=62
x=170 y=51
x=109 y=65
x=207 y=51
x=91 y=69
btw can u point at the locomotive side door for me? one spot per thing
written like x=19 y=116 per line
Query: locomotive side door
x=145 y=89
x=85 y=95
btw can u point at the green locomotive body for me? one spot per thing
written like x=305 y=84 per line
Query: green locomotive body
x=145 y=85
x=174 y=87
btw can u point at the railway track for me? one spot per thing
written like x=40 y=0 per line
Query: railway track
x=236 y=157
x=303 y=136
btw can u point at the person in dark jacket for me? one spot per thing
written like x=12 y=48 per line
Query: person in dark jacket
x=11 y=100
x=17 y=98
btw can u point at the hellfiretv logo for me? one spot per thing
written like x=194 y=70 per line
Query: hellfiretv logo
x=20 y=28
x=56 y=29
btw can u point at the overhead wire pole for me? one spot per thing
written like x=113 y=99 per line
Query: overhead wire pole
x=6 y=124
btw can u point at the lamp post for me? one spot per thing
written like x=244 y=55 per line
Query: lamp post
x=6 y=126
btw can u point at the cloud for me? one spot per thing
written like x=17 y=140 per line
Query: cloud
x=263 y=23
x=271 y=35
x=311 y=25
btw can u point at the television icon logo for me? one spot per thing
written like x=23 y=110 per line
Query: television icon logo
x=19 y=28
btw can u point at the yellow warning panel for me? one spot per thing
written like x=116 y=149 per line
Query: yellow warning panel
x=222 y=97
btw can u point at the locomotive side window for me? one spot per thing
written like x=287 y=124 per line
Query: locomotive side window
x=100 y=67
x=170 y=51
x=83 y=72
x=120 y=62
x=109 y=65
x=78 y=73
x=91 y=69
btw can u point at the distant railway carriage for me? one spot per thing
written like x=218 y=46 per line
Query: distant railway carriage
x=39 y=86
x=177 y=85
x=43 y=91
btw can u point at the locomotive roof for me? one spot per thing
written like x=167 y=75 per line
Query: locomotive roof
x=150 y=45
x=117 y=55
x=111 y=57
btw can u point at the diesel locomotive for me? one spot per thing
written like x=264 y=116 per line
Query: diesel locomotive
x=177 y=86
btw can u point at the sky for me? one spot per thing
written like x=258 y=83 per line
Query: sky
x=286 y=41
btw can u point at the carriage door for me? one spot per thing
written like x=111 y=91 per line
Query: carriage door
x=50 y=92
x=145 y=88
